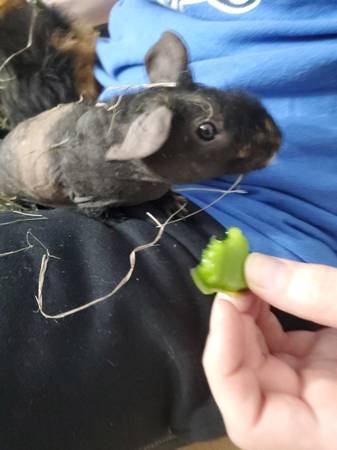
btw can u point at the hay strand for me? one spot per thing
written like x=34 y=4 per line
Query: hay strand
x=132 y=261
x=27 y=46
x=231 y=190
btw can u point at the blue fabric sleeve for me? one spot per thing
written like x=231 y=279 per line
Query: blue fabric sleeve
x=286 y=54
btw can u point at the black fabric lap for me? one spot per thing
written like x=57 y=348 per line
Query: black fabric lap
x=122 y=374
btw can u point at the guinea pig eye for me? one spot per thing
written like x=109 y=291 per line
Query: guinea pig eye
x=206 y=131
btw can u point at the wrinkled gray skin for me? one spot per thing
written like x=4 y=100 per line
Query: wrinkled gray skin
x=93 y=157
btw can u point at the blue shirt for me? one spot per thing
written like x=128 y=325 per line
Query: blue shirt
x=285 y=53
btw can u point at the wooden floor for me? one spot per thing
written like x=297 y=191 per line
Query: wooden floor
x=222 y=444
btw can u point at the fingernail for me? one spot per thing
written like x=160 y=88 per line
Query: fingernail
x=265 y=272
x=224 y=296
x=244 y=301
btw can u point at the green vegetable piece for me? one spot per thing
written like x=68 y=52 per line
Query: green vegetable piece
x=221 y=268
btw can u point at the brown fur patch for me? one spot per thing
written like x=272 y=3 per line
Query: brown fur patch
x=81 y=43
x=8 y=5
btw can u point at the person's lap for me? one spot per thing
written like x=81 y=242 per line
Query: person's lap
x=126 y=372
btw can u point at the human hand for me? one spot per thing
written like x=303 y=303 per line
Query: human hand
x=276 y=390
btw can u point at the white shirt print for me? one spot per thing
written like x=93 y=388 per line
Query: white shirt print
x=226 y=6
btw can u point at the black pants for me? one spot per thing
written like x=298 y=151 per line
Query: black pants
x=123 y=374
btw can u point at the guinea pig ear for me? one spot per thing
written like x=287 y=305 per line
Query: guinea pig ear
x=145 y=136
x=167 y=60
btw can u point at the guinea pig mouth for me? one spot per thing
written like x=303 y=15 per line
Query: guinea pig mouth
x=253 y=164
x=254 y=160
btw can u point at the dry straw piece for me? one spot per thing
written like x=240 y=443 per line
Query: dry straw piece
x=132 y=258
x=27 y=46
x=231 y=190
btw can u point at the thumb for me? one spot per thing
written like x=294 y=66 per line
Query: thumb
x=305 y=290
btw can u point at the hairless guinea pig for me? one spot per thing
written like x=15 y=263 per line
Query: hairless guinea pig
x=134 y=148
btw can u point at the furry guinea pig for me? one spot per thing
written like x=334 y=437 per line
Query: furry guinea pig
x=56 y=65
x=134 y=148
